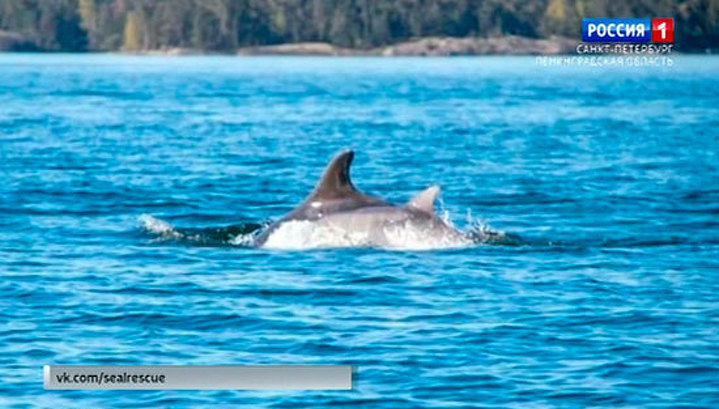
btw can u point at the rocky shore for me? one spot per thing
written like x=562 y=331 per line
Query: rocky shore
x=428 y=46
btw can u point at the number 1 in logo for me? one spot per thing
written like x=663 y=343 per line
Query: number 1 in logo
x=662 y=30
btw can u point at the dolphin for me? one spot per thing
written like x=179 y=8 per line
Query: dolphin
x=337 y=206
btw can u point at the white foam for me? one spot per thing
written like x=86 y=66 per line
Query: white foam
x=242 y=240
x=157 y=226
x=300 y=235
x=304 y=234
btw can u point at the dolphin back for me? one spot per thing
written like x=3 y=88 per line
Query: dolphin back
x=334 y=192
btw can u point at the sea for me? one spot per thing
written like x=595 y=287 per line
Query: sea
x=132 y=186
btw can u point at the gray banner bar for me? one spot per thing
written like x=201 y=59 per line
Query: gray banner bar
x=315 y=377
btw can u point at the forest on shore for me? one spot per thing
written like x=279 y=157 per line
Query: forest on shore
x=226 y=25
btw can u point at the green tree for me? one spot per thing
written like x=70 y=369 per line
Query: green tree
x=88 y=17
x=131 y=37
x=88 y=14
x=77 y=25
x=556 y=16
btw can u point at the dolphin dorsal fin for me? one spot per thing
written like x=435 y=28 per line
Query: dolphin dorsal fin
x=424 y=200
x=335 y=181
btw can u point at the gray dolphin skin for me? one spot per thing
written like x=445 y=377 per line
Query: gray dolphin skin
x=337 y=204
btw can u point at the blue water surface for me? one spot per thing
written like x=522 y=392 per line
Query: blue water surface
x=609 y=175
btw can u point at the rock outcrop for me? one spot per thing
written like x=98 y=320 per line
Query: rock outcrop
x=430 y=46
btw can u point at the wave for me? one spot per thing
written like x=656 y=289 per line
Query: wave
x=241 y=235
x=306 y=235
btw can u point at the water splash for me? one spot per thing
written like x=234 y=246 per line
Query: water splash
x=305 y=235
x=235 y=235
x=480 y=232
x=158 y=227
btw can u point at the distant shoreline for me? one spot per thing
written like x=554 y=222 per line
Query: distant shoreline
x=419 y=47
x=429 y=46
x=426 y=46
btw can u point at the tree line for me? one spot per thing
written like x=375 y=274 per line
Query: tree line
x=224 y=25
